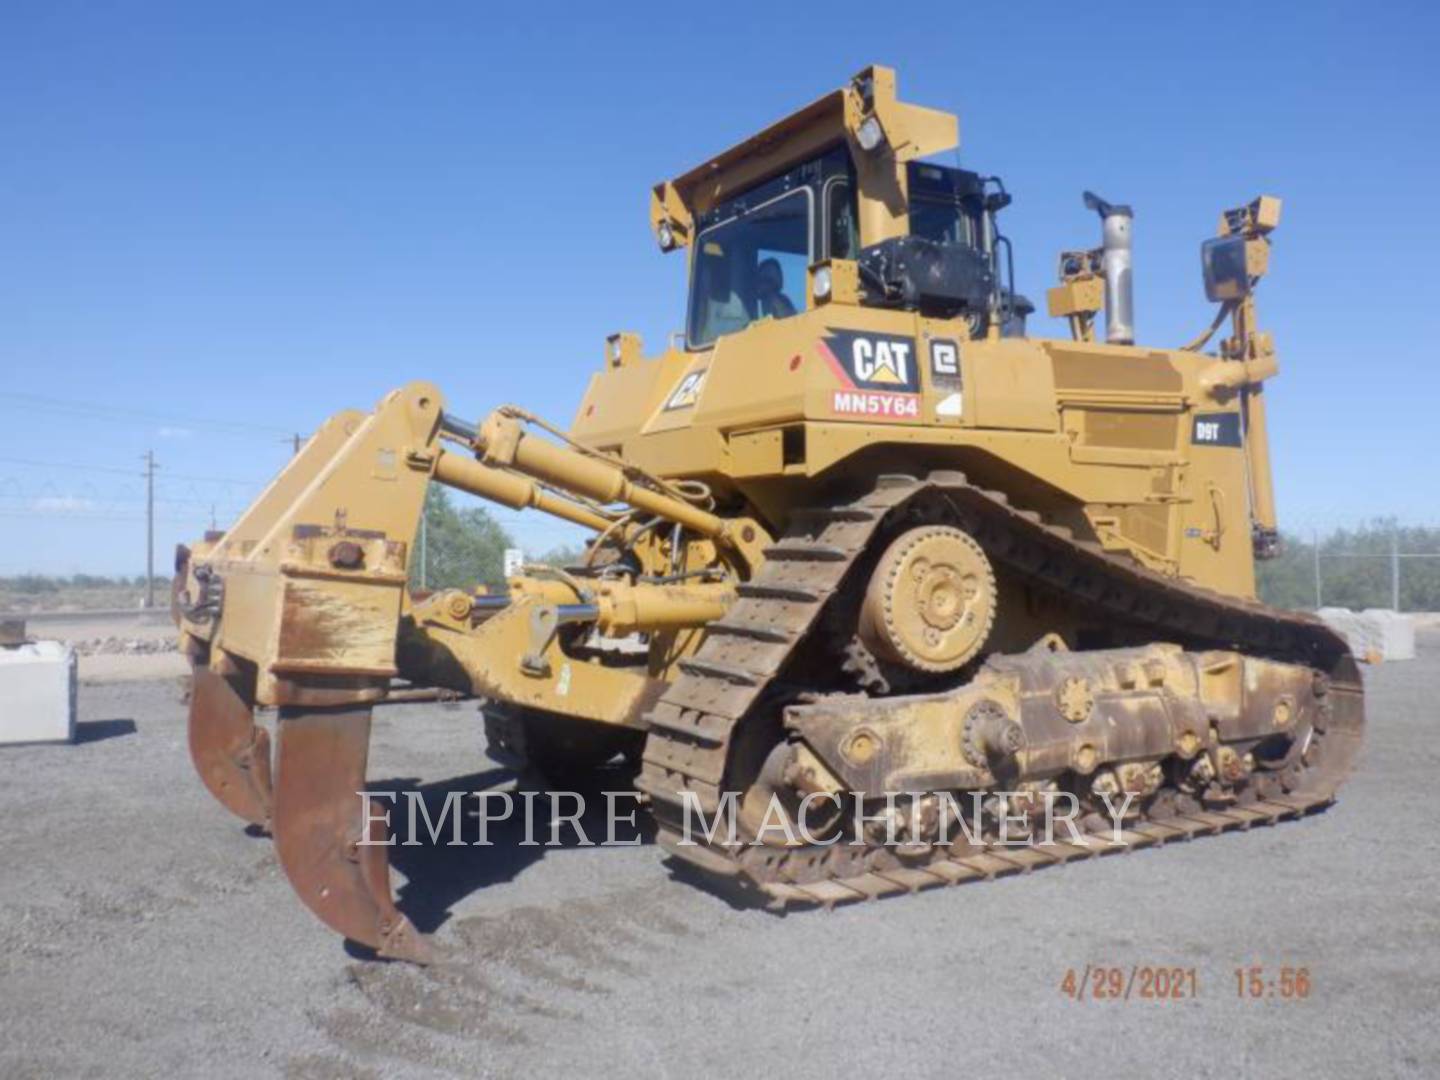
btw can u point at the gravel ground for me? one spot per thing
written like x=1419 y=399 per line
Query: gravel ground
x=142 y=930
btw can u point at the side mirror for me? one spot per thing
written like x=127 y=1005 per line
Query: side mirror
x=1226 y=267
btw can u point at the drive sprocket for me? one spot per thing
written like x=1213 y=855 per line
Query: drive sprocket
x=931 y=600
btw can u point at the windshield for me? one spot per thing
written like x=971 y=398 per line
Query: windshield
x=945 y=223
x=751 y=266
x=945 y=203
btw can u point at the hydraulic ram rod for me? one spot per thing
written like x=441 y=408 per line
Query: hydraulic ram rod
x=508 y=489
x=505 y=444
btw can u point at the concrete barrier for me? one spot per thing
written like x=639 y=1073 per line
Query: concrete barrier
x=1375 y=635
x=1396 y=633
x=37 y=690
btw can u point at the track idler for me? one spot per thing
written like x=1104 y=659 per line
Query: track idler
x=230 y=751
x=319 y=821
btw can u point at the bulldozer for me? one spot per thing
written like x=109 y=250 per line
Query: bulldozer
x=854 y=532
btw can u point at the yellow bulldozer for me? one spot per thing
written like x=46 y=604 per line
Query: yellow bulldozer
x=853 y=533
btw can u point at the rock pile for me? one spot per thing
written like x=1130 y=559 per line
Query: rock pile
x=120 y=646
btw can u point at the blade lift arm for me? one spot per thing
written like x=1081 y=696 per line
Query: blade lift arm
x=309 y=587
x=303 y=605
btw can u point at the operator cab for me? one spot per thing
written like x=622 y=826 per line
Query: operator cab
x=753 y=251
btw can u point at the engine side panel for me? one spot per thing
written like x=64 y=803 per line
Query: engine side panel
x=1121 y=442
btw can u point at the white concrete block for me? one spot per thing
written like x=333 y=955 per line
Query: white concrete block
x=1395 y=633
x=37 y=693
x=1374 y=635
x=1345 y=623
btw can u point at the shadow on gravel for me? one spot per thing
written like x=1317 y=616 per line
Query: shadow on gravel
x=88 y=731
x=440 y=874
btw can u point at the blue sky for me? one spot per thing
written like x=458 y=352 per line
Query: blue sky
x=222 y=223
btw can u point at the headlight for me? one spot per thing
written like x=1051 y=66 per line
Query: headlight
x=1226 y=270
x=665 y=235
x=820 y=283
x=870 y=134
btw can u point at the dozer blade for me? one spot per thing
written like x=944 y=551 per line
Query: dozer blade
x=230 y=751
x=318 y=822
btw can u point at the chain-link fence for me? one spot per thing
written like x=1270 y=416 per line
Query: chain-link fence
x=1382 y=563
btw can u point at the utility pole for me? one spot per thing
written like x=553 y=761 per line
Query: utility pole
x=149 y=460
x=1315 y=539
x=1395 y=568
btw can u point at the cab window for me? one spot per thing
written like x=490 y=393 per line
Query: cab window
x=751 y=266
x=945 y=223
x=842 y=232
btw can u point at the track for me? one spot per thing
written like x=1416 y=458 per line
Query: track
x=726 y=685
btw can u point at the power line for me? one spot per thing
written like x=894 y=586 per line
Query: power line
x=149 y=528
x=89 y=494
x=75 y=515
x=120 y=412
x=114 y=493
x=66 y=465
x=78 y=467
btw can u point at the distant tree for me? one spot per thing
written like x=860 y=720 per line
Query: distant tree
x=29 y=584
x=32 y=584
x=1288 y=581
x=463 y=548
x=564 y=555
x=1355 y=568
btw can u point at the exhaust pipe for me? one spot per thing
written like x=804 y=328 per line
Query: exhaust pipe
x=1119 y=288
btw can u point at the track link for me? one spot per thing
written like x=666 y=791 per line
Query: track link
x=693 y=725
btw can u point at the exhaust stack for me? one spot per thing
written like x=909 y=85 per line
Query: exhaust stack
x=1119 y=288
